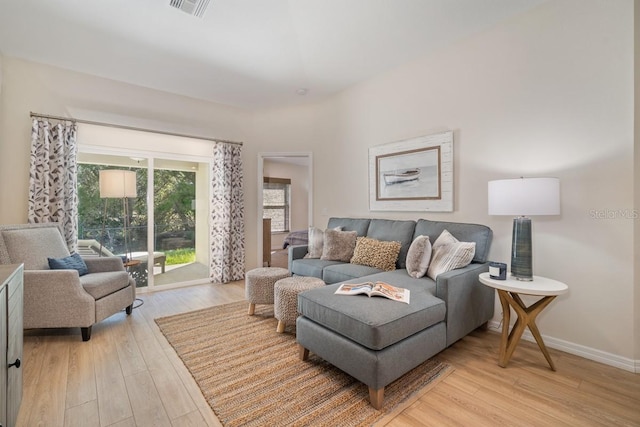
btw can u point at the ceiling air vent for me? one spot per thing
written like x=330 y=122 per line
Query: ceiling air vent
x=192 y=7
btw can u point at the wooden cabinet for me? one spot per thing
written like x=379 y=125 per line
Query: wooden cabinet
x=266 y=242
x=11 y=303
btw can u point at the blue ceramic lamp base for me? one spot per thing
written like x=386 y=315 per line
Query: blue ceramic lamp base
x=521 y=256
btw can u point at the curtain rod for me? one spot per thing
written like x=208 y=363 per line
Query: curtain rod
x=111 y=125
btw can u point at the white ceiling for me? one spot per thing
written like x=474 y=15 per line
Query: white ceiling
x=246 y=53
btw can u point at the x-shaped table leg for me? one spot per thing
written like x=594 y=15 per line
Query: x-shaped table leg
x=526 y=317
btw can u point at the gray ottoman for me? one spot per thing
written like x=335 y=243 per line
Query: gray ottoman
x=258 y=285
x=375 y=340
x=286 y=297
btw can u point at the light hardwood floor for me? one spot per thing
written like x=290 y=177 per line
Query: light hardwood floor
x=128 y=375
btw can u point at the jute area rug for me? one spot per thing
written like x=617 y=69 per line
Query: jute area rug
x=252 y=376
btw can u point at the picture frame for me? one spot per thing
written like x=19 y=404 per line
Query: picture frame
x=412 y=175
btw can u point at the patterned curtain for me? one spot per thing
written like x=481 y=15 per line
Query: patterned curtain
x=53 y=177
x=227 y=214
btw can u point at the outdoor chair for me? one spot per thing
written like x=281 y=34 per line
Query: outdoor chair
x=92 y=248
x=64 y=298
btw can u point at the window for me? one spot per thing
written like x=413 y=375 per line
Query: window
x=276 y=200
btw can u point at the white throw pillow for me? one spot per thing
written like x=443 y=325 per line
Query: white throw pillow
x=449 y=254
x=316 y=241
x=418 y=256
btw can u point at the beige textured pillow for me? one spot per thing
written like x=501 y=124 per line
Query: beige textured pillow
x=418 y=256
x=376 y=253
x=338 y=245
x=316 y=242
x=449 y=254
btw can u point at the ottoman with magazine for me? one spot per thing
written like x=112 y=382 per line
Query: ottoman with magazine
x=373 y=339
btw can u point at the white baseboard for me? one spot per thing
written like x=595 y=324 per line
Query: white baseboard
x=579 y=350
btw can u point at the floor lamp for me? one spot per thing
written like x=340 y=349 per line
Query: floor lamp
x=118 y=184
x=522 y=197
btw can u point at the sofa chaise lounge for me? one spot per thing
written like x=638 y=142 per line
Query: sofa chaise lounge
x=376 y=340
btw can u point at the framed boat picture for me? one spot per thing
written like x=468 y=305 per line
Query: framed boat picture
x=412 y=175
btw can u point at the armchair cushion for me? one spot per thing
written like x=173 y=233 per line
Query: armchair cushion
x=72 y=262
x=32 y=246
x=99 y=285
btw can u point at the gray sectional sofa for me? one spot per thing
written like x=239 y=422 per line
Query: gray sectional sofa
x=377 y=340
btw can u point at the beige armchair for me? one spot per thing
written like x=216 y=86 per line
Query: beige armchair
x=63 y=298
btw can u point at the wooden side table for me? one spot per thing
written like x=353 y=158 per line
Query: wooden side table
x=131 y=263
x=509 y=291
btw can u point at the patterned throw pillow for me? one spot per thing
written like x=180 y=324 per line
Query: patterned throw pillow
x=72 y=262
x=376 y=253
x=418 y=257
x=449 y=254
x=338 y=245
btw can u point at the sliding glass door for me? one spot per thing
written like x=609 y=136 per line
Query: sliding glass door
x=181 y=221
x=162 y=232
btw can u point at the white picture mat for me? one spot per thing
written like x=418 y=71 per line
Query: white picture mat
x=424 y=199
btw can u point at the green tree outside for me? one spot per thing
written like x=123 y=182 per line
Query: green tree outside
x=174 y=193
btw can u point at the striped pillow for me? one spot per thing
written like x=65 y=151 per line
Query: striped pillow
x=449 y=254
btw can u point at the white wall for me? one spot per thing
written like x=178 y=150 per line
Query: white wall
x=636 y=257
x=549 y=93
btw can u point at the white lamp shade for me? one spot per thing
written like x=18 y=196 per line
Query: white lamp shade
x=115 y=183
x=524 y=196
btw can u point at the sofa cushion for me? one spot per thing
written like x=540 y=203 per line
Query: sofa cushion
x=373 y=322
x=376 y=253
x=310 y=267
x=419 y=256
x=72 y=262
x=393 y=230
x=99 y=285
x=449 y=254
x=32 y=246
x=359 y=225
x=345 y=271
x=481 y=234
x=338 y=245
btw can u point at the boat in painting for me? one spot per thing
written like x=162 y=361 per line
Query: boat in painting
x=397 y=177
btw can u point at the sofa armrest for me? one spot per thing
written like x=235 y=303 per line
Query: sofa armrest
x=100 y=264
x=296 y=252
x=56 y=299
x=469 y=303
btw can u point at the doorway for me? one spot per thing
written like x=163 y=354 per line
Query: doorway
x=297 y=167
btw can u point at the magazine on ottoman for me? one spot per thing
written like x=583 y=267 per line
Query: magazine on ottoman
x=377 y=289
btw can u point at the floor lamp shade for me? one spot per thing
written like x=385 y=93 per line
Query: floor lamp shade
x=522 y=197
x=116 y=183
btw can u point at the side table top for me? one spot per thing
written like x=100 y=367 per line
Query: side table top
x=538 y=286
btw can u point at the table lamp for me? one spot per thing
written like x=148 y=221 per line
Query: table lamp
x=523 y=197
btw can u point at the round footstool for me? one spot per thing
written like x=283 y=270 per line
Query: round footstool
x=258 y=285
x=286 y=297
